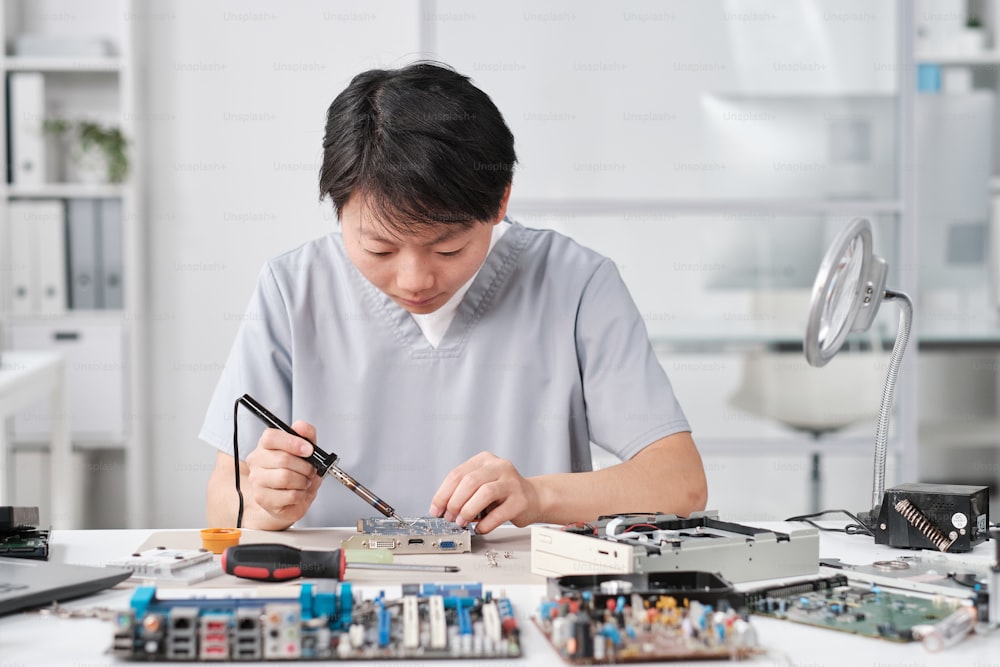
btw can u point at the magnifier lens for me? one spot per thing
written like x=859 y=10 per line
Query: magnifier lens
x=840 y=293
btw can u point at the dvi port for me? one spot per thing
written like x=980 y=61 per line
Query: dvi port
x=381 y=544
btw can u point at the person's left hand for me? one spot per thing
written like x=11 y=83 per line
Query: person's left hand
x=487 y=484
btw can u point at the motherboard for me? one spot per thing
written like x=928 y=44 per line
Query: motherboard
x=428 y=621
x=608 y=619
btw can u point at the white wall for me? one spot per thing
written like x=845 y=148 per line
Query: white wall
x=235 y=101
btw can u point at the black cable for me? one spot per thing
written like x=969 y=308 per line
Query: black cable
x=236 y=463
x=856 y=528
x=964 y=580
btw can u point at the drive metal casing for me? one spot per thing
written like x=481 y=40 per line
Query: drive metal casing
x=945 y=517
x=663 y=543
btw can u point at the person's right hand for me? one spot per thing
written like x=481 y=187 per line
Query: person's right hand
x=281 y=482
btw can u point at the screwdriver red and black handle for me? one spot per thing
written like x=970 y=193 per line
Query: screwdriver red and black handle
x=280 y=562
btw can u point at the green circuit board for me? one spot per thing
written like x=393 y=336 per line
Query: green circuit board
x=860 y=609
x=419 y=535
x=25 y=543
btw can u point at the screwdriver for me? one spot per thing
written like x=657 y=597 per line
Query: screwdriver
x=324 y=463
x=280 y=562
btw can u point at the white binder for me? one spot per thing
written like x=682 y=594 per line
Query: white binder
x=22 y=251
x=50 y=255
x=27 y=137
x=38 y=257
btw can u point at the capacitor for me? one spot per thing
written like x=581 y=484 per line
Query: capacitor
x=344 y=648
x=719 y=624
x=356 y=635
x=584 y=639
x=560 y=630
x=743 y=634
x=610 y=631
x=600 y=644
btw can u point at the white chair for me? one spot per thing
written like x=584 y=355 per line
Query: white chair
x=782 y=386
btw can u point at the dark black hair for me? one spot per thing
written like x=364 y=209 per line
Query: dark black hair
x=421 y=144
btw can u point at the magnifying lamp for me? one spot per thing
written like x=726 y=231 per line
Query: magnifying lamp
x=849 y=288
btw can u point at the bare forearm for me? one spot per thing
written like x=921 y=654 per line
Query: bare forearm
x=667 y=476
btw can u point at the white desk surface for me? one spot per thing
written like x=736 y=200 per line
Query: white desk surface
x=32 y=639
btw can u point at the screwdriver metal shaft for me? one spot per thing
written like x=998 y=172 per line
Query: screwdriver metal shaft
x=281 y=562
x=402 y=566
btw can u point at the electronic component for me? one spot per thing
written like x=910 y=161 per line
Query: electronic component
x=20 y=536
x=419 y=535
x=25 y=543
x=644 y=543
x=946 y=517
x=663 y=616
x=435 y=621
x=17 y=518
x=837 y=604
x=175 y=566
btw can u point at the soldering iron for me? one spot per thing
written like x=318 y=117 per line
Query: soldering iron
x=324 y=462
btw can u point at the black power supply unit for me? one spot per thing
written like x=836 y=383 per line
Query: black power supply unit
x=20 y=536
x=946 y=517
x=17 y=518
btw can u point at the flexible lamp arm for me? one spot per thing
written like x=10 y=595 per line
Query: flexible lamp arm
x=847 y=293
x=882 y=431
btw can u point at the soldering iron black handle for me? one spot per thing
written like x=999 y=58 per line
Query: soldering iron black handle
x=319 y=459
x=280 y=562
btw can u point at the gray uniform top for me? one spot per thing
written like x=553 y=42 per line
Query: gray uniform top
x=546 y=353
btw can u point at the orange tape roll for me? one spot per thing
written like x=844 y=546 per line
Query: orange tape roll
x=217 y=539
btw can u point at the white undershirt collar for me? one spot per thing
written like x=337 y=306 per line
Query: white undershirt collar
x=434 y=325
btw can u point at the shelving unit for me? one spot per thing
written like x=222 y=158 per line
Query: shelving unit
x=63 y=64
x=960 y=432
x=104 y=347
x=984 y=58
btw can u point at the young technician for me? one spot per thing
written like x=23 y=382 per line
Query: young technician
x=456 y=361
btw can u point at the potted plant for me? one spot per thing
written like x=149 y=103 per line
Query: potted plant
x=96 y=152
